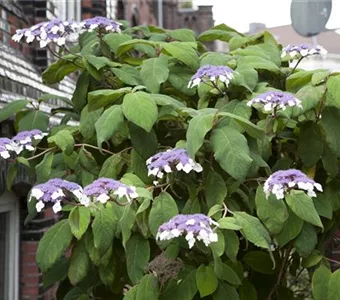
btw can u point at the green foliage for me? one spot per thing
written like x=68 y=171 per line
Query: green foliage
x=132 y=100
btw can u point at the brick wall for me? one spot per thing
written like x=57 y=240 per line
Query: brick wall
x=31 y=280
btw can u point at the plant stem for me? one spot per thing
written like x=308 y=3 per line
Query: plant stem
x=41 y=153
x=282 y=272
x=298 y=62
x=94 y=147
x=333 y=260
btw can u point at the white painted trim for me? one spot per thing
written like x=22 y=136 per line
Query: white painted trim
x=9 y=203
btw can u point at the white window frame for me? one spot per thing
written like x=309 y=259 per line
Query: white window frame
x=10 y=204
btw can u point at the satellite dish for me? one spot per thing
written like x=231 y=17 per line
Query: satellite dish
x=309 y=17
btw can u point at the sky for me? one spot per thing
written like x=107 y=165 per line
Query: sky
x=239 y=13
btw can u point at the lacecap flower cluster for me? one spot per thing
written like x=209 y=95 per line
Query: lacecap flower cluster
x=302 y=50
x=59 y=32
x=195 y=227
x=210 y=73
x=24 y=140
x=101 y=190
x=281 y=182
x=275 y=100
x=170 y=161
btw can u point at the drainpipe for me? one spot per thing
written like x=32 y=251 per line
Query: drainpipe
x=160 y=13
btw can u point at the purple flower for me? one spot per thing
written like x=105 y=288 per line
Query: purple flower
x=24 y=140
x=101 y=189
x=195 y=227
x=302 y=50
x=283 y=181
x=6 y=145
x=54 y=191
x=54 y=31
x=275 y=100
x=101 y=23
x=211 y=73
x=170 y=160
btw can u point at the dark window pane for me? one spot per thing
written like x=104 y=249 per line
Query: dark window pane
x=3 y=253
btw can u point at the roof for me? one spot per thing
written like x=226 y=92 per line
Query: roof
x=286 y=34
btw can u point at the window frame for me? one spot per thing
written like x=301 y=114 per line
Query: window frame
x=10 y=204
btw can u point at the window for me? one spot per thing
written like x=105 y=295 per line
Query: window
x=9 y=247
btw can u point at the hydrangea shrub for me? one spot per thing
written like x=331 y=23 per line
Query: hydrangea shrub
x=185 y=173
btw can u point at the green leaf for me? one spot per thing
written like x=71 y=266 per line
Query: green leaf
x=320 y=282
x=182 y=35
x=231 y=151
x=11 y=175
x=216 y=34
x=137 y=257
x=218 y=247
x=53 y=244
x=306 y=240
x=145 y=143
x=92 y=251
x=206 y=280
x=260 y=63
x=260 y=262
x=247 y=291
x=114 y=40
x=79 y=96
x=79 y=263
x=272 y=212
x=253 y=230
x=296 y=81
x=245 y=76
x=64 y=140
x=229 y=223
x=104 y=227
x=131 y=293
x=79 y=220
x=10 y=109
x=199 y=126
x=88 y=162
x=303 y=206
x=310 y=97
x=104 y=98
x=225 y=291
x=329 y=122
x=163 y=209
x=109 y=123
x=320 y=77
x=129 y=45
x=43 y=169
x=323 y=205
x=253 y=130
x=312 y=260
x=154 y=72
x=164 y=100
x=291 y=229
x=126 y=223
x=334 y=286
x=310 y=144
x=333 y=91
x=87 y=122
x=148 y=288
x=59 y=69
x=112 y=167
x=179 y=78
x=34 y=119
x=215 y=189
x=140 y=109
x=232 y=244
x=57 y=273
x=184 y=53
x=128 y=75
x=224 y=272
